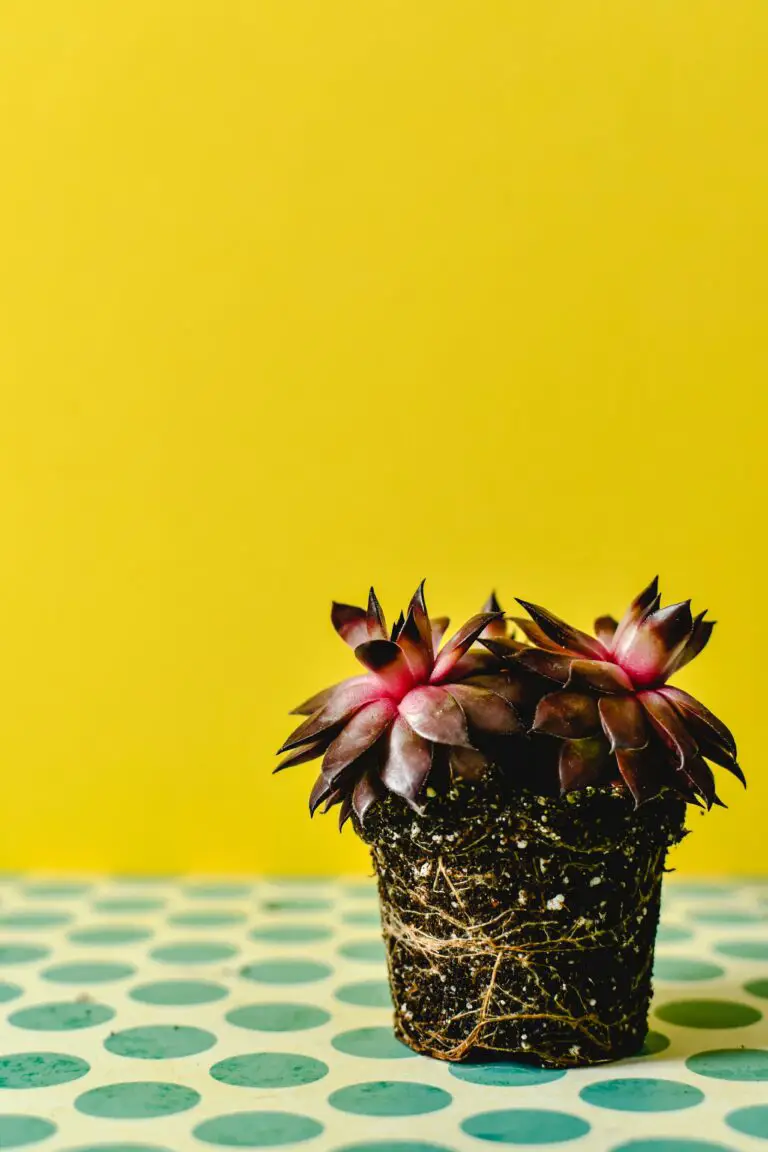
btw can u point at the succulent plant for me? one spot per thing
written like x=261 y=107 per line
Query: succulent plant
x=420 y=715
x=610 y=705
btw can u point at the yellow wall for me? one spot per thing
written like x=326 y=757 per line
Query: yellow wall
x=300 y=294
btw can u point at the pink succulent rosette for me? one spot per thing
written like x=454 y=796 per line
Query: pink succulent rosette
x=613 y=707
x=419 y=714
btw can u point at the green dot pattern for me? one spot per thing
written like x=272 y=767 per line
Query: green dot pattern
x=153 y=1014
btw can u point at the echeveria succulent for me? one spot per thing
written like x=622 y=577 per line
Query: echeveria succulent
x=420 y=714
x=612 y=707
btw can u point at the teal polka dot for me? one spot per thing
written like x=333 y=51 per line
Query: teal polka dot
x=218 y=891
x=9 y=992
x=642 y=1095
x=708 y=1013
x=369 y=951
x=503 y=1075
x=88 y=973
x=685 y=968
x=389 y=1098
x=30 y=918
x=365 y=994
x=40 y=1069
x=743 y=949
x=291 y=933
x=269 y=1070
x=757 y=988
x=654 y=1042
x=179 y=992
x=671 y=1144
x=693 y=891
x=297 y=905
x=22 y=953
x=525 y=1126
x=18 y=1131
x=731 y=1063
x=278 y=1017
x=210 y=918
x=286 y=971
x=129 y=904
x=673 y=934
x=121 y=1148
x=64 y=1016
x=56 y=891
x=394 y=1146
x=111 y=936
x=752 y=1121
x=194 y=952
x=137 y=1100
x=372 y=1043
x=725 y=916
x=257 y=1129
x=160 y=1042
x=362 y=916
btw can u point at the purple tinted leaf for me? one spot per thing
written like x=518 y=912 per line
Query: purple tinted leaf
x=648 y=652
x=641 y=606
x=345 y=811
x=640 y=769
x=303 y=755
x=375 y=622
x=365 y=793
x=321 y=789
x=418 y=606
x=343 y=703
x=688 y=705
x=486 y=710
x=360 y=734
x=321 y=699
x=502 y=647
x=467 y=764
x=439 y=626
x=418 y=655
x=498 y=626
x=459 y=643
x=623 y=721
x=397 y=627
x=388 y=661
x=408 y=762
x=699 y=638
x=434 y=714
x=350 y=623
x=551 y=665
x=475 y=663
x=535 y=634
x=569 y=638
x=598 y=676
x=569 y=715
x=668 y=723
x=605 y=629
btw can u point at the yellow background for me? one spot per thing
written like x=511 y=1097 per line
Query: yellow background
x=296 y=295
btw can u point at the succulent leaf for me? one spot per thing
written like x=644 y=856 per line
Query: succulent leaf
x=485 y=709
x=459 y=643
x=605 y=629
x=570 y=715
x=598 y=676
x=350 y=622
x=648 y=653
x=360 y=734
x=434 y=714
x=408 y=762
x=569 y=638
x=623 y=721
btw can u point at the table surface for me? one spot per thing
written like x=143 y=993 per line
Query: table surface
x=169 y=1015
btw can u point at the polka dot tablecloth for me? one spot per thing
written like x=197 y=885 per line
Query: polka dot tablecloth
x=190 y=1014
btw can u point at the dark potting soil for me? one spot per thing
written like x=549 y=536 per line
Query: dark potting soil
x=522 y=927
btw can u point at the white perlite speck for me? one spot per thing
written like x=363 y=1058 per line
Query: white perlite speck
x=556 y=903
